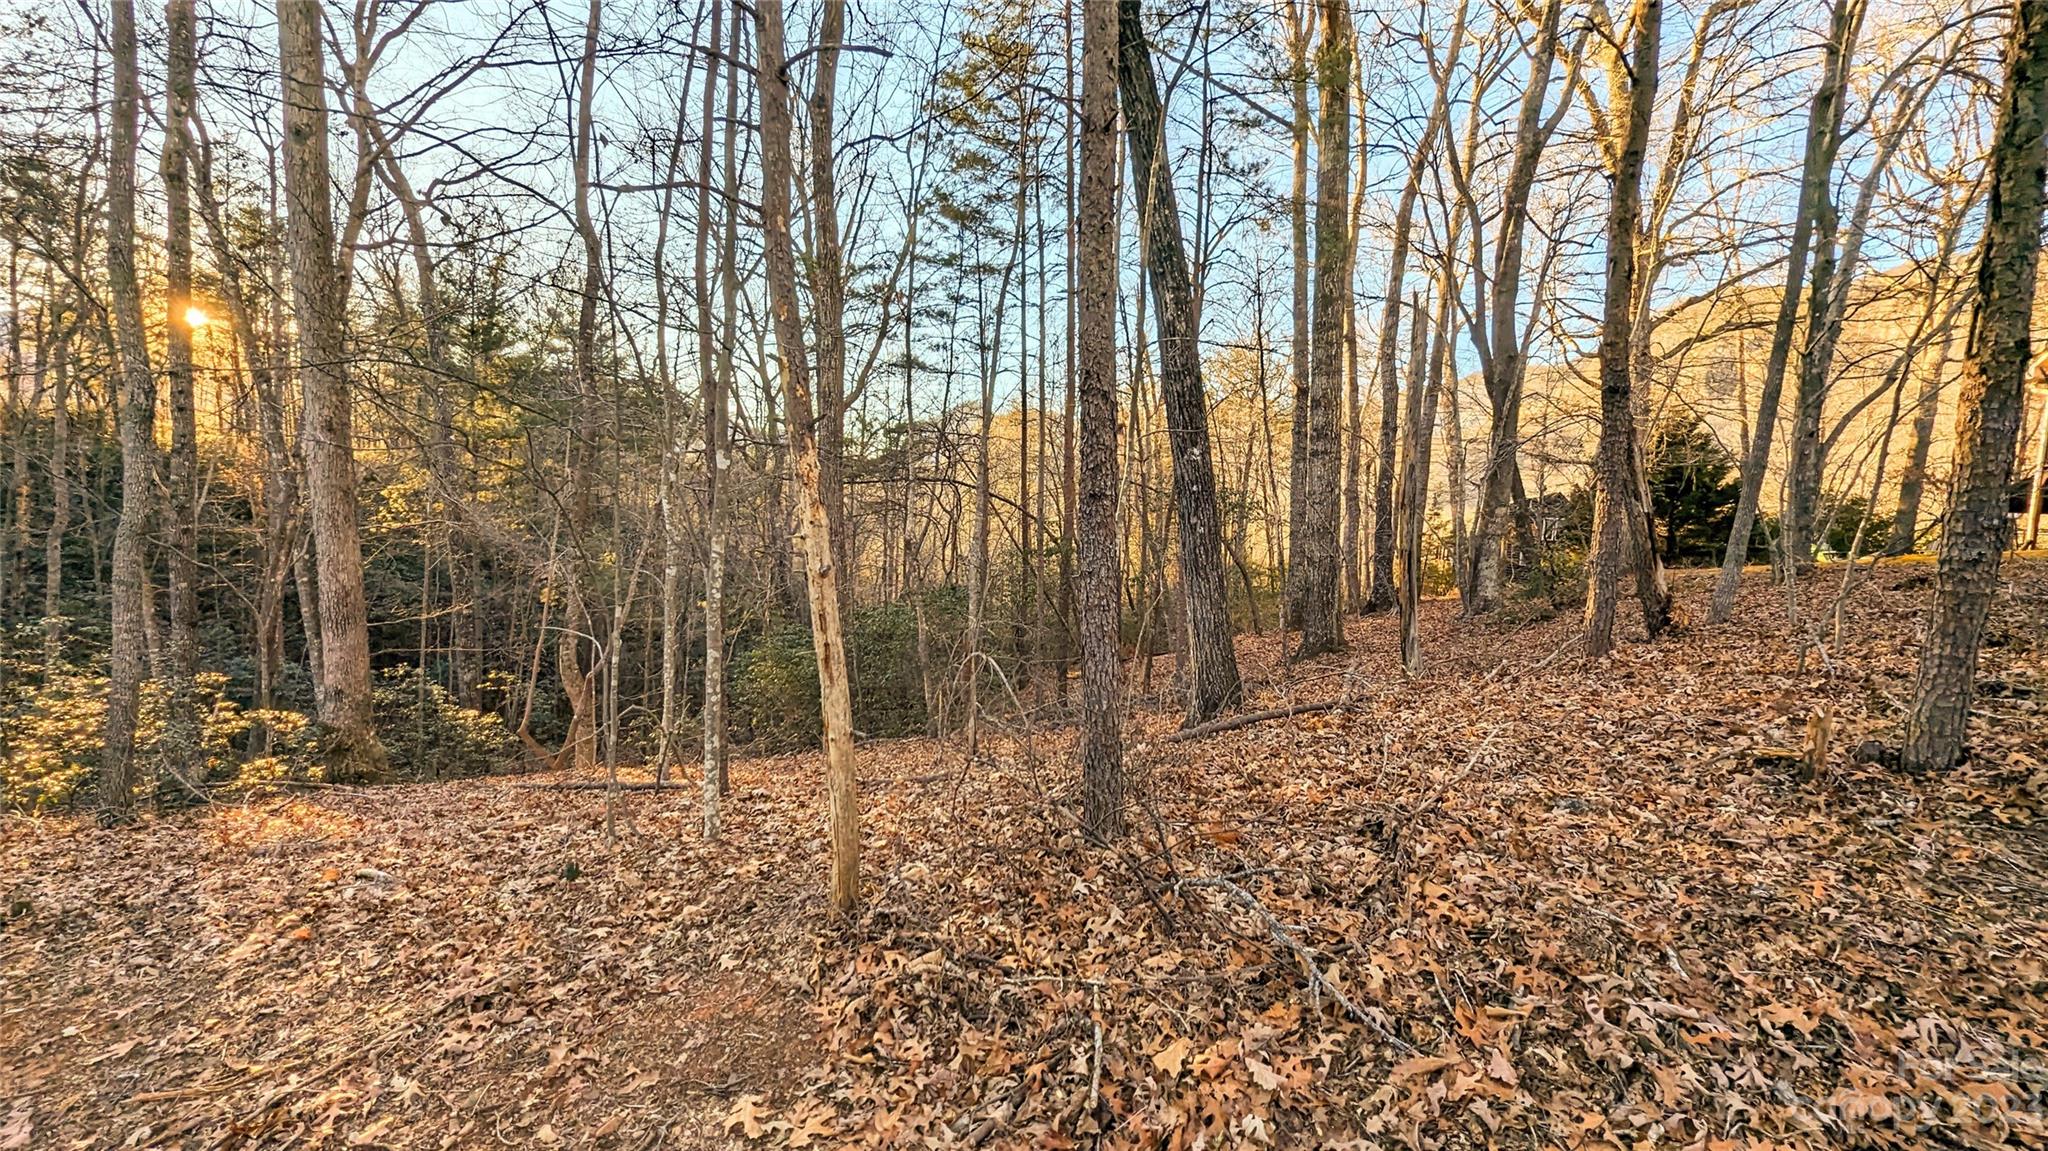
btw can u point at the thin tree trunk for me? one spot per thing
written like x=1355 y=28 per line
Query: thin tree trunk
x=1317 y=533
x=1905 y=533
x=60 y=489
x=1300 y=28
x=574 y=665
x=136 y=416
x=1411 y=493
x=1354 y=404
x=1500 y=345
x=714 y=401
x=779 y=258
x=183 y=757
x=1099 y=549
x=1620 y=518
x=828 y=293
x=1992 y=405
x=1380 y=590
x=1215 y=684
x=1823 y=138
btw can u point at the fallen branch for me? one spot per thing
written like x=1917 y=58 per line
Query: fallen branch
x=1233 y=722
x=604 y=785
x=1318 y=983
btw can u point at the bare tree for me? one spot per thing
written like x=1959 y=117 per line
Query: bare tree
x=1621 y=532
x=1315 y=536
x=136 y=413
x=353 y=751
x=826 y=636
x=1098 y=550
x=1823 y=140
x=1215 y=683
x=1992 y=404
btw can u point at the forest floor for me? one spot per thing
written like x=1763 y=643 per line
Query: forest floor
x=1528 y=901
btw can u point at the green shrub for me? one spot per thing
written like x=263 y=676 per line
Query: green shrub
x=775 y=679
x=51 y=723
x=428 y=735
x=1841 y=529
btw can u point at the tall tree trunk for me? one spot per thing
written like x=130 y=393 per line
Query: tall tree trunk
x=60 y=486
x=1099 y=550
x=353 y=751
x=713 y=399
x=1620 y=518
x=575 y=663
x=1500 y=344
x=136 y=416
x=1411 y=492
x=1354 y=403
x=1316 y=534
x=828 y=293
x=183 y=757
x=1380 y=588
x=1215 y=684
x=779 y=260
x=1823 y=139
x=1300 y=29
x=1991 y=407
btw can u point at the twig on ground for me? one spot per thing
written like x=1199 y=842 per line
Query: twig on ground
x=1318 y=983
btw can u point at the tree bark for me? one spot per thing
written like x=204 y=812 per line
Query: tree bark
x=1991 y=406
x=1099 y=551
x=779 y=259
x=1500 y=344
x=575 y=662
x=183 y=757
x=1380 y=586
x=1300 y=28
x=136 y=417
x=1316 y=533
x=713 y=398
x=1215 y=684
x=1823 y=139
x=1620 y=517
x=828 y=292
x=353 y=752
x=1411 y=493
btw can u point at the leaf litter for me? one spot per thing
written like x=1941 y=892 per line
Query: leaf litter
x=1523 y=902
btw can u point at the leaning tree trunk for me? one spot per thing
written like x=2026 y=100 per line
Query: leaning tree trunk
x=1316 y=533
x=1992 y=403
x=1215 y=683
x=136 y=415
x=1098 y=549
x=1823 y=138
x=353 y=751
x=1380 y=588
x=827 y=640
x=1620 y=521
